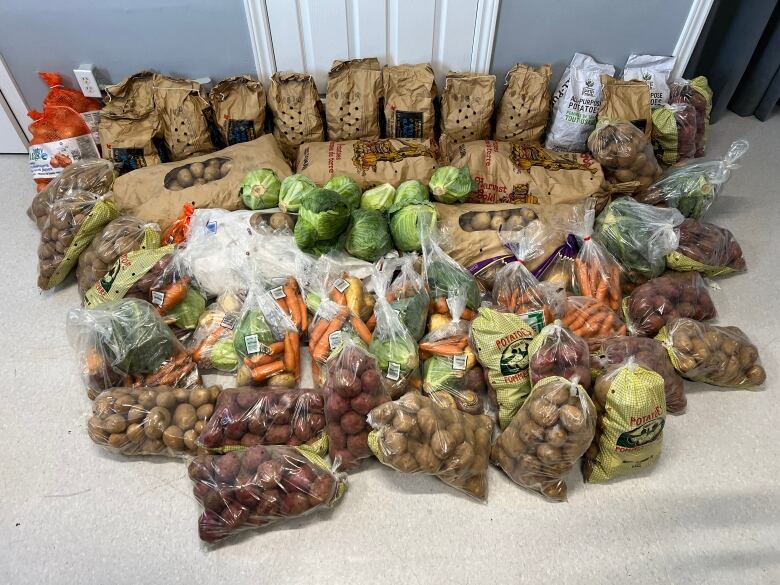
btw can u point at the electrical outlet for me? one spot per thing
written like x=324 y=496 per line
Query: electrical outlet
x=85 y=75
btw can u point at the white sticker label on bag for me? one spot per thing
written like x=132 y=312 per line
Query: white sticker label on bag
x=393 y=371
x=334 y=340
x=47 y=160
x=341 y=285
x=158 y=297
x=277 y=293
x=459 y=362
x=229 y=321
x=92 y=119
x=252 y=344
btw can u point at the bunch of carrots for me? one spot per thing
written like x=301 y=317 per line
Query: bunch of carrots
x=171 y=372
x=439 y=306
x=592 y=319
x=599 y=280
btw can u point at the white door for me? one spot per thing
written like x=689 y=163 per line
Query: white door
x=307 y=35
x=12 y=139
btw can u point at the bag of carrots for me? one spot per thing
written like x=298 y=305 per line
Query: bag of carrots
x=211 y=343
x=445 y=278
x=451 y=375
x=178 y=231
x=592 y=319
x=332 y=324
x=516 y=289
x=393 y=345
x=407 y=293
x=596 y=271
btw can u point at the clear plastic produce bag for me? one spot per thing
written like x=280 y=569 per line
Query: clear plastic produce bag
x=407 y=293
x=592 y=319
x=674 y=132
x=244 y=490
x=706 y=248
x=416 y=435
x=211 y=343
x=547 y=436
x=556 y=351
x=446 y=277
x=697 y=93
x=625 y=152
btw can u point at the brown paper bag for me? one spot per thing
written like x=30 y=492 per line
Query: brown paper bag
x=157 y=194
x=295 y=104
x=368 y=162
x=410 y=91
x=627 y=100
x=239 y=109
x=525 y=106
x=129 y=126
x=184 y=114
x=466 y=108
x=508 y=172
x=353 y=98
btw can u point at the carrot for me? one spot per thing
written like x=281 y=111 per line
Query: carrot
x=174 y=294
x=601 y=292
x=468 y=314
x=581 y=272
x=292 y=305
x=304 y=314
x=289 y=354
x=321 y=348
x=361 y=329
x=338 y=297
x=259 y=359
x=607 y=326
x=208 y=342
x=614 y=291
x=261 y=373
x=440 y=305
x=317 y=331
x=444 y=349
x=283 y=306
x=276 y=348
x=371 y=323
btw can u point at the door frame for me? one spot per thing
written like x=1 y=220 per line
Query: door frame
x=689 y=35
x=16 y=104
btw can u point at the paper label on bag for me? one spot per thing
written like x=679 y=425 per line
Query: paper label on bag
x=253 y=345
x=393 y=371
x=92 y=119
x=459 y=362
x=535 y=320
x=47 y=160
x=229 y=321
x=341 y=285
x=277 y=293
x=334 y=340
x=158 y=297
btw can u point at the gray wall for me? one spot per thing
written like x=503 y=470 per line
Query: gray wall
x=551 y=31
x=190 y=38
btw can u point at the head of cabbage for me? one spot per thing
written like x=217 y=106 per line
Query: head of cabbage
x=407 y=223
x=322 y=217
x=368 y=237
x=260 y=189
x=451 y=184
x=379 y=198
x=409 y=192
x=292 y=191
x=347 y=188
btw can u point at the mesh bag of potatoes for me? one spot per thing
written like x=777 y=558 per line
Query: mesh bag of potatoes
x=71 y=224
x=151 y=421
x=120 y=236
x=624 y=152
x=262 y=485
x=547 y=436
x=631 y=406
x=722 y=356
x=416 y=435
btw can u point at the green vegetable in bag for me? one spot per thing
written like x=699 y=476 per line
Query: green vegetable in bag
x=260 y=189
x=223 y=356
x=140 y=341
x=253 y=335
x=347 y=188
x=380 y=198
x=445 y=278
x=406 y=223
x=409 y=192
x=187 y=312
x=451 y=184
x=368 y=237
x=292 y=190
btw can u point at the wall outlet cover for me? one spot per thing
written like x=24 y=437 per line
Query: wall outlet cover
x=85 y=76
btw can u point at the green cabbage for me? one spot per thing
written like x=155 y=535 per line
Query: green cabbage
x=398 y=349
x=292 y=190
x=223 y=356
x=368 y=237
x=347 y=188
x=322 y=218
x=438 y=374
x=451 y=184
x=305 y=235
x=380 y=198
x=187 y=312
x=413 y=312
x=409 y=192
x=446 y=278
x=406 y=223
x=260 y=189
x=252 y=323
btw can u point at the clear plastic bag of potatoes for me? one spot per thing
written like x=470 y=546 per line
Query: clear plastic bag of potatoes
x=256 y=487
x=706 y=248
x=547 y=436
x=71 y=224
x=625 y=153
x=120 y=236
x=717 y=355
x=93 y=175
x=556 y=351
x=648 y=353
x=414 y=434
x=692 y=188
x=151 y=421
x=273 y=415
x=352 y=387
x=653 y=304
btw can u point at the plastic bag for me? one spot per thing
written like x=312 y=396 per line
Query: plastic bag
x=275 y=415
x=597 y=273
x=625 y=153
x=126 y=343
x=151 y=421
x=558 y=269
x=692 y=188
x=416 y=435
x=653 y=304
x=500 y=341
x=352 y=389
x=211 y=343
x=722 y=356
x=176 y=297
x=118 y=237
x=547 y=436
x=451 y=375
x=72 y=223
x=94 y=175
x=556 y=351
x=177 y=232
x=706 y=248
x=631 y=409
x=407 y=294
x=592 y=319
x=648 y=353
x=242 y=490
x=446 y=277
x=638 y=235
x=392 y=345
x=696 y=92
x=674 y=133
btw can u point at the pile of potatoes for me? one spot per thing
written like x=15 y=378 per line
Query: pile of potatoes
x=416 y=435
x=723 y=356
x=626 y=154
x=552 y=429
x=151 y=421
x=197 y=173
x=504 y=219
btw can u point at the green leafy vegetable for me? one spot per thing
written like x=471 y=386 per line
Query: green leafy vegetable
x=368 y=237
x=407 y=222
x=322 y=217
x=438 y=374
x=292 y=191
x=187 y=312
x=223 y=355
x=138 y=338
x=380 y=198
x=252 y=333
x=260 y=189
x=347 y=188
x=413 y=312
x=409 y=192
x=451 y=184
x=446 y=279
